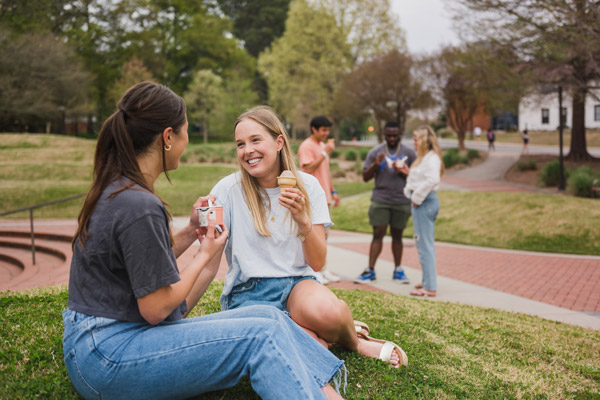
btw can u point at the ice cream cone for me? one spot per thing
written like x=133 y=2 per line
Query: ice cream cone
x=286 y=180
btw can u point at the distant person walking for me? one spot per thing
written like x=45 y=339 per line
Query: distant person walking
x=525 y=142
x=477 y=132
x=422 y=182
x=491 y=137
x=313 y=154
x=389 y=205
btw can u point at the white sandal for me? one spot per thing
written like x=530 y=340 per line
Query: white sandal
x=360 y=326
x=385 y=354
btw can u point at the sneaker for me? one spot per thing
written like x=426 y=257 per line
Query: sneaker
x=367 y=276
x=400 y=276
x=330 y=276
x=321 y=278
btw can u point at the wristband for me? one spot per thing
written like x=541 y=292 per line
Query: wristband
x=334 y=191
x=302 y=236
x=325 y=153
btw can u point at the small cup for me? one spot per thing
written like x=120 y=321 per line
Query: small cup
x=210 y=213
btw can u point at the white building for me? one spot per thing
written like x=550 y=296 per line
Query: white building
x=539 y=112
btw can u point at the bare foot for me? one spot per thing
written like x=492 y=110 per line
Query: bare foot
x=371 y=349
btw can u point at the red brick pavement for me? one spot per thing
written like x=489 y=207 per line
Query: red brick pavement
x=570 y=282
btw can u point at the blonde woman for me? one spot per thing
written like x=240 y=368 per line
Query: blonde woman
x=277 y=239
x=422 y=182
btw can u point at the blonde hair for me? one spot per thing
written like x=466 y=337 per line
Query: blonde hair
x=426 y=142
x=254 y=194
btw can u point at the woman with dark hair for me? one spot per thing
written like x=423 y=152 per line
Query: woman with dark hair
x=126 y=335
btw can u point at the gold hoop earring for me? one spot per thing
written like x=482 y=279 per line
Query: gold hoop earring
x=168 y=148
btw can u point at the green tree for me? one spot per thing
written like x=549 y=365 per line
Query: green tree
x=306 y=65
x=202 y=98
x=133 y=72
x=479 y=76
x=558 y=40
x=41 y=80
x=256 y=23
x=238 y=96
x=368 y=25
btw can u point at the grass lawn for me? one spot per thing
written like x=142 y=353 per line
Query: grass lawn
x=455 y=351
x=39 y=168
x=537 y=222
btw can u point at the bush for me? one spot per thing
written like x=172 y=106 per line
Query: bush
x=364 y=151
x=334 y=154
x=350 y=155
x=451 y=157
x=446 y=133
x=550 y=174
x=526 y=165
x=472 y=154
x=581 y=182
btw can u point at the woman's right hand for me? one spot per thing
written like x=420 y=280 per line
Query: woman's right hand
x=211 y=240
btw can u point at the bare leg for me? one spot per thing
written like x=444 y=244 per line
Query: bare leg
x=376 y=244
x=316 y=308
x=397 y=246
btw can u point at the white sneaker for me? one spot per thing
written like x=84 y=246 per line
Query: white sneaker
x=330 y=276
x=321 y=278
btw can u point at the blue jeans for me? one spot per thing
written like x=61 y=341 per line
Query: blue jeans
x=424 y=218
x=266 y=291
x=112 y=359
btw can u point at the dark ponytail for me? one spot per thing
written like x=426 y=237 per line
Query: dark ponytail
x=144 y=112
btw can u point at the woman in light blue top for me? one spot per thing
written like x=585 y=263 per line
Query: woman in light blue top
x=277 y=239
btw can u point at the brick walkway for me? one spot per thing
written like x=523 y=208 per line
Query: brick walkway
x=571 y=282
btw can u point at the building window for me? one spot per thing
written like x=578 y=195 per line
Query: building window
x=545 y=116
x=563 y=116
x=597 y=113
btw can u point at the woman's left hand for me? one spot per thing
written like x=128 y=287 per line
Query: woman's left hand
x=293 y=200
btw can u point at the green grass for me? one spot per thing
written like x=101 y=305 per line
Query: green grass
x=536 y=222
x=455 y=351
x=40 y=168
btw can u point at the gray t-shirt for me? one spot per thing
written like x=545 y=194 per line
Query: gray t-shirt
x=389 y=185
x=127 y=255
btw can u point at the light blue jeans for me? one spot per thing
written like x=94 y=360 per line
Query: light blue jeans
x=110 y=359
x=424 y=218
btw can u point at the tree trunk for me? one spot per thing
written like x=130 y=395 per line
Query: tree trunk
x=90 y=124
x=578 y=151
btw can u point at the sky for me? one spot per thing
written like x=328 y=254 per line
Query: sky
x=427 y=24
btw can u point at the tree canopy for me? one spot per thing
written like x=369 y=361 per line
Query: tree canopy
x=558 y=40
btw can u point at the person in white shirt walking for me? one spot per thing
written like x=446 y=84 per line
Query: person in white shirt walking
x=422 y=182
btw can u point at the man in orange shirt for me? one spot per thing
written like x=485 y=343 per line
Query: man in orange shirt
x=314 y=154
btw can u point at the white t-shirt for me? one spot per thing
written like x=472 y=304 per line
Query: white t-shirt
x=251 y=255
x=423 y=178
